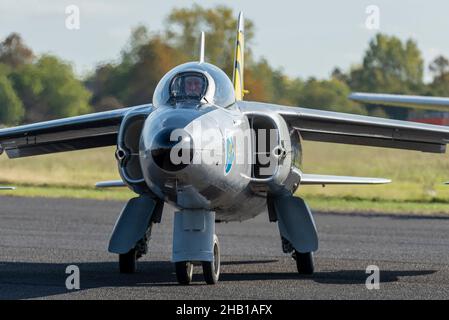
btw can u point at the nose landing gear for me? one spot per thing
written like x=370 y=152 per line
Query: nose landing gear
x=195 y=243
x=211 y=269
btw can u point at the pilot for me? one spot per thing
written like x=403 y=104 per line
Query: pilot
x=188 y=87
x=193 y=86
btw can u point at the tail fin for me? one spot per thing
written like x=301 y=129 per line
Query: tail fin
x=239 y=65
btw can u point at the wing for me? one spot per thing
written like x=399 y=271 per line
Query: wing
x=397 y=100
x=327 y=126
x=318 y=179
x=75 y=133
x=7 y=188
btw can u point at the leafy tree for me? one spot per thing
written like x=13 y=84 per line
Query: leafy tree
x=329 y=95
x=338 y=74
x=49 y=89
x=155 y=59
x=183 y=27
x=132 y=81
x=109 y=83
x=389 y=66
x=439 y=66
x=11 y=108
x=14 y=52
x=259 y=80
x=440 y=84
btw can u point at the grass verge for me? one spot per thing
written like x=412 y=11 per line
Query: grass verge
x=357 y=205
x=345 y=204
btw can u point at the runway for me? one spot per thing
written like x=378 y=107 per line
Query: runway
x=39 y=238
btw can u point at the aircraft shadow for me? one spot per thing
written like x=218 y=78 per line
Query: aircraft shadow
x=393 y=216
x=327 y=277
x=19 y=280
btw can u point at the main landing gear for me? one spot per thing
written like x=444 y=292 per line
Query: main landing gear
x=211 y=269
x=297 y=228
x=132 y=231
x=128 y=261
x=304 y=260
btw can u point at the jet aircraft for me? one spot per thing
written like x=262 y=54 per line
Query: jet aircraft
x=217 y=158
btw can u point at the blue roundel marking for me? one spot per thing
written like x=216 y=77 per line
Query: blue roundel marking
x=230 y=154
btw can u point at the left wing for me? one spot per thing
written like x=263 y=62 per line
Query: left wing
x=327 y=126
x=75 y=133
x=398 y=100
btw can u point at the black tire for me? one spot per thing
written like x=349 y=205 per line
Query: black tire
x=184 y=272
x=128 y=262
x=211 y=269
x=304 y=262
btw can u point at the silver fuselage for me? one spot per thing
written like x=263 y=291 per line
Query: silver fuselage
x=215 y=137
x=204 y=183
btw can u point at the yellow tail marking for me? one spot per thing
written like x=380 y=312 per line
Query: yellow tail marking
x=238 y=67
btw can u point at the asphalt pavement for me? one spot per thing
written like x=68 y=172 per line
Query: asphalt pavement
x=40 y=237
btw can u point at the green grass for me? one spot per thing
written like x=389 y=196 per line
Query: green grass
x=70 y=192
x=417 y=178
x=357 y=205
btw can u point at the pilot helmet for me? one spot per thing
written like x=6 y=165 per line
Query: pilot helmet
x=188 y=86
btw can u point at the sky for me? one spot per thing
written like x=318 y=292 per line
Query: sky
x=303 y=38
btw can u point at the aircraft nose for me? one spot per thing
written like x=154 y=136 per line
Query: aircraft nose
x=172 y=149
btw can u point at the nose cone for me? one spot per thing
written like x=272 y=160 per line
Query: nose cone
x=172 y=149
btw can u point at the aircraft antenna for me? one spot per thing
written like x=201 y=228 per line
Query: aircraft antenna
x=202 y=43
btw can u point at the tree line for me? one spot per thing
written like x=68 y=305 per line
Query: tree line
x=35 y=88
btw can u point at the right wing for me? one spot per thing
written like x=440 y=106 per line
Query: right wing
x=319 y=179
x=397 y=100
x=74 y=133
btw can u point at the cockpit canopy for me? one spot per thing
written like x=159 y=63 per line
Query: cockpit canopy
x=188 y=86
x=194 y=82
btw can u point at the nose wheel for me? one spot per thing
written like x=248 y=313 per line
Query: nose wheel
x=211 y=269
